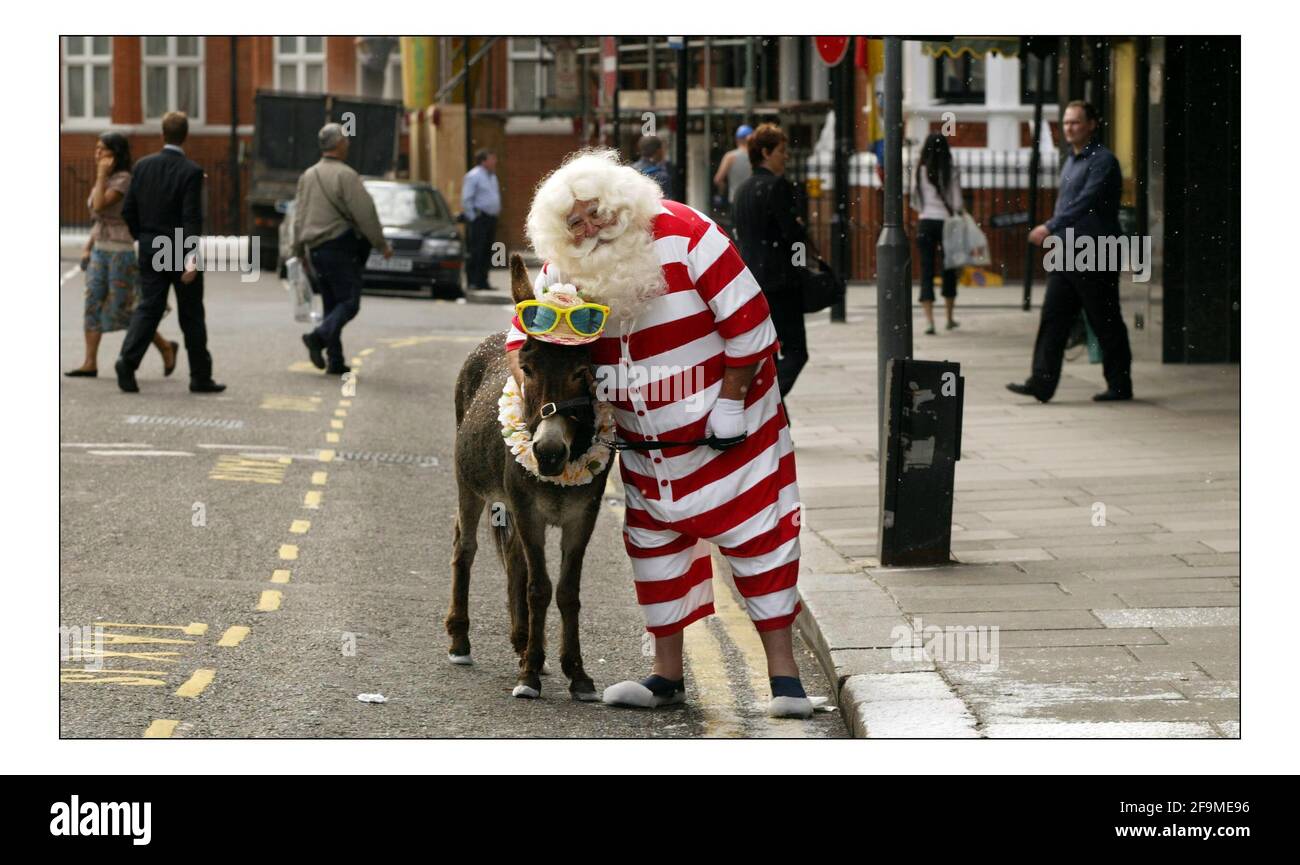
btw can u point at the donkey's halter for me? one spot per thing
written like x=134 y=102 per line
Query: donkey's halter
x=565 y=406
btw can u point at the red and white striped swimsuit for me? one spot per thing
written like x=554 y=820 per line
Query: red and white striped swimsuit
x=662 y=373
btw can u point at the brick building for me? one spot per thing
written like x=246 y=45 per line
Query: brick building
x=126 y=84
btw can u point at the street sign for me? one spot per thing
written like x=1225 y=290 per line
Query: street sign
x=832 y=49
x=677 y=43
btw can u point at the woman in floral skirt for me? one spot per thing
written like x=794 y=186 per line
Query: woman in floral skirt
x=112 y=272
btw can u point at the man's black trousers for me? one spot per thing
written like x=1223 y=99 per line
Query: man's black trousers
x=154 y=286
x=1097 y=294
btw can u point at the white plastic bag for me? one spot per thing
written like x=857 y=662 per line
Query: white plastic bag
x=964 y=244
x=307 y=306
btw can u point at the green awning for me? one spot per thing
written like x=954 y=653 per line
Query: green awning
x=975 y=46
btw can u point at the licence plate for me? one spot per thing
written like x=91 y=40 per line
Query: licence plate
x=378 y=262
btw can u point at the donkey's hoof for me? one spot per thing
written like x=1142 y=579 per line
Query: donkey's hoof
x=586 y=696
x=525 y=692
x=459 y=660
x=546 y=668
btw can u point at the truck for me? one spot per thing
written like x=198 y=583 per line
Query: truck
x=284 y=145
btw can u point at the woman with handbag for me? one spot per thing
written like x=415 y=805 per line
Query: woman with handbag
x=109 y=260
x=937 y=198
x=771 y=239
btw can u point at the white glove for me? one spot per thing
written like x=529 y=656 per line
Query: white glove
x=727 y=419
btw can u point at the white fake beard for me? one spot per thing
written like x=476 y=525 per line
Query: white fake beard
x=621 y=272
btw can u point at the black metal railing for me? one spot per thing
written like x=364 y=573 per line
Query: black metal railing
x=78 y=176
x=994 y=184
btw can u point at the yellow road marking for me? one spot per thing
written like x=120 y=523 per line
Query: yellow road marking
x=336 y=424
x=161 y=729
x=340 y=412
x=196 y=683
x=233 y=636
x=137 y=639
x=269 y=602
x=73 y=675
x=280 y=575
x=325 y=456
x=231 y=467
x=740 y=628
x=346 y=403
x=356 y=361
x=193 y=629
x=303 y=366
x=284 y=461
x=288 y=552
x=163 y=657
x=332 y=438
x=300 y=527
x=282 y=402
x=704 y=655
x=319 y=478
x=312 y=499
x=365 y=352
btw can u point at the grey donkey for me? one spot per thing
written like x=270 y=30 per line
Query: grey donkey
x=560 y=379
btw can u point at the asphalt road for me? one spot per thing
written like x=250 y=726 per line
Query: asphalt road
x=258 y=559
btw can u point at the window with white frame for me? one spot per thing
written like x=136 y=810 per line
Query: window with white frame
x=87 y=77
x=300 y=63
x=531 y=73
x=173 y=76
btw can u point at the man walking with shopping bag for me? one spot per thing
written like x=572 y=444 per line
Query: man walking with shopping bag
x=335 y=225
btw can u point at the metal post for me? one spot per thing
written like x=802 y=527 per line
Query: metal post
x=1030 y=252
x=469 y=116
x=841 y=238
x=893 y=253
x=234 y=136
x=683 y=120
x=618 y=144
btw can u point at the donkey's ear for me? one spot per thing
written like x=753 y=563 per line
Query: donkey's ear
x=521 y=286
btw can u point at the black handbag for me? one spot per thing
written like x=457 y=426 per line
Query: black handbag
x=820 y=287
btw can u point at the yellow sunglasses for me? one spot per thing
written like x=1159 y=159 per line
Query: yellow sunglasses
x=538 y=317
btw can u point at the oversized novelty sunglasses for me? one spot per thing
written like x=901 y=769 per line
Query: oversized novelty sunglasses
x=539 y=317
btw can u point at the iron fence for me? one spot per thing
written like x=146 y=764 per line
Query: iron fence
x=994 y=184
x=78 y=177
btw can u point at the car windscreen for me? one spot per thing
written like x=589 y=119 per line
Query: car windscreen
x=400 y=205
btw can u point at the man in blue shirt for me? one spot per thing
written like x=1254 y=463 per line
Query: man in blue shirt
x=1087 y=207
x=652 y=164
x=480 y=199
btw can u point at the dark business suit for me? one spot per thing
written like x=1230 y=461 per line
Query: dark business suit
x=1087 y=201
x=166 y=195
x=763 y=217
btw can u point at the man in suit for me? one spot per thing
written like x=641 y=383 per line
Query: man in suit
x=769 y=234
x=164 y=211
x=1087 y=206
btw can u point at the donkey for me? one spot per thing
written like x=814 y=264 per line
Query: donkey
x=486 y=472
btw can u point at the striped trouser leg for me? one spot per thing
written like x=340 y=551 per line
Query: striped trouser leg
x=763 y=551
x=672 y=571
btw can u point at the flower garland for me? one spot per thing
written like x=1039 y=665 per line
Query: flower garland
x=520 y=441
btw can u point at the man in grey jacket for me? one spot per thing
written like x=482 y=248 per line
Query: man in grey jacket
x=334 y=227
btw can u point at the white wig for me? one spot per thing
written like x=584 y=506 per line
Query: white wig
x=619 y=266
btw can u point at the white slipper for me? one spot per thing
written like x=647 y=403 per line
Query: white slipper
x=460 y=660
x=638 y=696
x=790 y=707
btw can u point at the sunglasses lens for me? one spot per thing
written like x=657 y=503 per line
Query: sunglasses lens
x=537 y=319
x=587 y=321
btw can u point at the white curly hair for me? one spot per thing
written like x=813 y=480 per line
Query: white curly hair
x=619 y=267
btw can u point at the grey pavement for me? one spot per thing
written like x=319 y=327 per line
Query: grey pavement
x=1096 y=585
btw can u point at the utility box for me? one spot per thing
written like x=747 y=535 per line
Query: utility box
x=921 y=444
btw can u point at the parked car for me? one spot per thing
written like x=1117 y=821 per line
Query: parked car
x=427 y=248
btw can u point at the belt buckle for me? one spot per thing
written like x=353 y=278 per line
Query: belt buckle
x=551 y=406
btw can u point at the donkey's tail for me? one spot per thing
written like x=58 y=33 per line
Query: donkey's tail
x=502 y=537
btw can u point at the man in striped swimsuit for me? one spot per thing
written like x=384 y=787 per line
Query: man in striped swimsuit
x=688 y=353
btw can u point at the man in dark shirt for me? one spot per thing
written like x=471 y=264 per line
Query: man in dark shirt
x=769 y=236
x=1087 y=205
x=164 y=210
